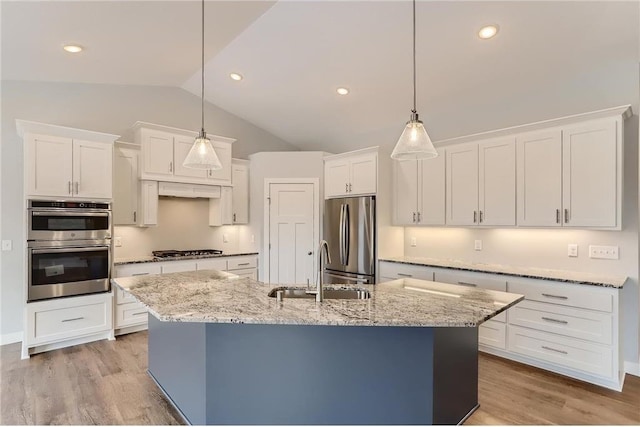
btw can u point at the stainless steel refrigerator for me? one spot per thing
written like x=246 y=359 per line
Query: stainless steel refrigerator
x=350 y=230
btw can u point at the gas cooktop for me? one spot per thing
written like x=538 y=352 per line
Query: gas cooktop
x=172 y=253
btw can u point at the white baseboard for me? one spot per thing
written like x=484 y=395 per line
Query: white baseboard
x=10 y=338
x=632 y=368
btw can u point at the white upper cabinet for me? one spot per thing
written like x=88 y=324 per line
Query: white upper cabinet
x=351 y=174
x=481 y=183
x=591 y=179
x=125 y=186
x=240 y=198
x=66 y=162
x=163 y=150
x=539 y=169
x=419 y=191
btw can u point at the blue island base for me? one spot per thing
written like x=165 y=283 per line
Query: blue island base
x=217 y=373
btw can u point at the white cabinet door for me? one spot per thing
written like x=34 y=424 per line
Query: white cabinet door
x=49 y=165
x=221 y=176
x=590 y=174
x=497 y=182
x=363 y=174
x=405 y=182
x=157 y=154
x=178 y=266
x=92 y=169
x=431 y=197
x=221 y=208
x=125 y=186
x=240 y=196
x=181 y=147
x=336 y=177
x=148 y=203
x=539 y=178
x=462 y=184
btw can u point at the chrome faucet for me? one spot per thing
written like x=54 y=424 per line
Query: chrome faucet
x=324 y=247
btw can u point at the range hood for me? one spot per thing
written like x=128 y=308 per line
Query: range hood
x=176 y=189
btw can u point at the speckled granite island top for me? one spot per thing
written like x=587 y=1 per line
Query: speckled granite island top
x=218 y=297
x=531 y=272
x=149 y=258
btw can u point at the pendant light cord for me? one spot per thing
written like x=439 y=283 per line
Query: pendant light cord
x=202 y=82
x=414 y=56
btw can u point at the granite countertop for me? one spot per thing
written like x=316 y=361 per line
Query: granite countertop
x=531 y=272
x=143 y=259
x=219 y=297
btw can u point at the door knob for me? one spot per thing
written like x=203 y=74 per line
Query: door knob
x=310 y=253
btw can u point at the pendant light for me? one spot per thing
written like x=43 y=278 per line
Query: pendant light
x=414 y=143
x=202 y=155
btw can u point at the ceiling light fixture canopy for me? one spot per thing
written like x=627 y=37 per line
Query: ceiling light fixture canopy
x=488 y=31
x=414 y=143
x=72 y=48
x=235 y=76
x=202 y=155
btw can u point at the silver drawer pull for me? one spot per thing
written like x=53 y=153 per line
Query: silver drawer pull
x=404 y=275
x=554 y=349
x=467 y=284
x=71 y=320
x=244 y=263
x=139 y=274
x=549 y=319
x=555 y=296
x=139 y=313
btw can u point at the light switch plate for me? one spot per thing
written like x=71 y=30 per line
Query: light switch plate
x=604 y=252
x=7 y=245
x=117 y=241
x=572 y=250
x=414 y=243
x=225 y=238
x=477 y=245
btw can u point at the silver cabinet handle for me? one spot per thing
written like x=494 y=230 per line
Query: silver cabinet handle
x=243 y=263
x=475 y=217
x=346 y=187
x=70 y=188
x=549 y=319
x=554 y=296
x=418 y=216
x=139 y=313
x=553 y=349
x=467 y=284
x=234 y=217
x=480 y=216
x=350 y=190
x=77 y=187
x=557 y=216
x=414 y=217
x=566 y=216
x=170 y=166
x=404 y=274
x=135 y=216
x=140 y=274
x=209 y=172
x=73 y=319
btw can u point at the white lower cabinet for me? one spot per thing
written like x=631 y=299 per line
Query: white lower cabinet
x=392 y=271
x=178 y=266
x=63 y=322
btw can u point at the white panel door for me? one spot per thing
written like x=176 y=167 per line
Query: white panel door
x=240 y=180
x=431 y=199
x=157 y=153
x=364 y=174
x=181 y=147
x=291 y=237
x=125 y=186
x=405 y=192
x=49 y=166
x=590 y=174
x=92 y=169
x=539 y=178
x=336 y=177
x=223 y=151
x=497 y=182
x=148 y=203
x=462 y=184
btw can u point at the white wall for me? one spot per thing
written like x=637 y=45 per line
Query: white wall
x=104 y=108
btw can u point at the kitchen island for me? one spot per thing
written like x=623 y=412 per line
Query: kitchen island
x=226 y=353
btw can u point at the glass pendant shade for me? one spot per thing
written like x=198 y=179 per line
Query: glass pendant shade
x=414 y=143
x=202 y=155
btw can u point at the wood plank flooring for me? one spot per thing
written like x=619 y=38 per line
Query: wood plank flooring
x=106 y=383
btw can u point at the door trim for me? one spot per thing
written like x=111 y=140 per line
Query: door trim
x=266 y=237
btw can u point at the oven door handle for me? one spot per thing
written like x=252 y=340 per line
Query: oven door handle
x=74 y=249
x=58 y=213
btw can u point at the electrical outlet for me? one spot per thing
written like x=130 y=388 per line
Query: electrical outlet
x=414 y=243
x=477 y=245
x=572 y=250
x=225 y=238
x=603 y=252
x=7 y=245
x=253 y=238
x=117 y=241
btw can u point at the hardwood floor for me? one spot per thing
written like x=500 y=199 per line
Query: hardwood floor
x=106 y=383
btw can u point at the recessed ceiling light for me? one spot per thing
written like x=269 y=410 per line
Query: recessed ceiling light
x=488 y=31
x=342 y=91
x=235 y=76
x=72 y=48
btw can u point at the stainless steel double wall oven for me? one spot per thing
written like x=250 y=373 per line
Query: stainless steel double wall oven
x=68 y=248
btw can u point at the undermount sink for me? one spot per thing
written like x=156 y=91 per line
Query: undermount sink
x=328 y=293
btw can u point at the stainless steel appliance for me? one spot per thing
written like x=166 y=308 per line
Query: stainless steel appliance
x=350 y=231
x=68 y=248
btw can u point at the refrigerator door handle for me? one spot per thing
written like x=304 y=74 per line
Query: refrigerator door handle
x=347 y=229
x=341 y=234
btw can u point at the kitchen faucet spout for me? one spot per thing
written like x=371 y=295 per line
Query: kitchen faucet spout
x=322 y=249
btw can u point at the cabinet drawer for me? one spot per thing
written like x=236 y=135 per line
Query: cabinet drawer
x=123 y=297
x=481 y=280
x=250 y=273
x=64 y=319
x=395 y=270
x=242 y=263
x=178 y=266
x=573 y=322
x=575 y=354
x=130 y=314
x=581 y=296
x=128 y=270
x=493 y=334
x=212 y=264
